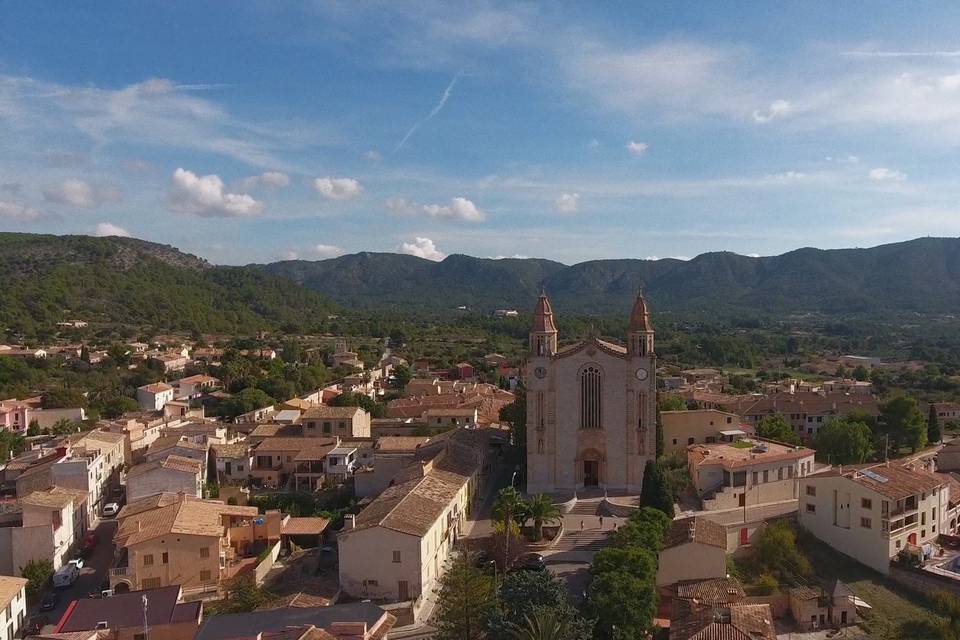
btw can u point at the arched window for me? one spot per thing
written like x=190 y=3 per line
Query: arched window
x=591 y=393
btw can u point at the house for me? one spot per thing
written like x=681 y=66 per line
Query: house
x=350 y=621
x=396 y=548
x=494 y=360
x=170 y=361
x=872 y=512
x=806 y=412
x=152 y=397
x=699 y=426
x=713 y=592
x=170 y=539
x=139 y=432
x=738 y=621
x=694 y=548
x=275 y=460
x=814 y=608
x=463 y=371
x=13 y=606
x=22 y=352
x=124 y=614
x=194 y=386
x=50 y=522
x=14 y=415
x=91 y=462
x=947 y=412
x=274 y=430
x=176 y=445
x=450 y=418
x=948 y=457
x=344 y=422
x=18 y=415
x=173 y=474
x=341 y=462
x=391 y=454
x=234 y=461
x=198 y=432
x=747 y=472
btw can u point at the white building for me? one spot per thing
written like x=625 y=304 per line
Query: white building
x=173 y=474
x=13 y=606
x=343 y=422
x=341 y=462
x=152 y=397
x=93 y=463
x=871 y=512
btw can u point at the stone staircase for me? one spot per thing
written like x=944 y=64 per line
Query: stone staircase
x=585 y=508
x=590 y=540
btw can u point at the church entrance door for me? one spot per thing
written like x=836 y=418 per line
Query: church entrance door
x=591 y=473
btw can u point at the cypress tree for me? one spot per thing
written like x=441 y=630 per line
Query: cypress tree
x=933 y=425
x=655 y=492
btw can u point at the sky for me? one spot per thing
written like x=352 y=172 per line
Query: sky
x=269 y=130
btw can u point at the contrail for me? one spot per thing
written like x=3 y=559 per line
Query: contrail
x=433 y=112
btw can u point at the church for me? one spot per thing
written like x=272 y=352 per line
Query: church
x=591 y=407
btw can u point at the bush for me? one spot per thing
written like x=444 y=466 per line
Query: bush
x=766 y=585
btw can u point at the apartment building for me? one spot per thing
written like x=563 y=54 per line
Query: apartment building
x=700 y=426
x=153 y=397
x=91 y=462
x=747 y=472
x=13 y=606
x=174 y=539
x=806 y=412
x=871 y=512
x=173 y=474
x=49 y=523
x=277 y=460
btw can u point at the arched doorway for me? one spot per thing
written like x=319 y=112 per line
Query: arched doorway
x=121 y=587
x=591 y=468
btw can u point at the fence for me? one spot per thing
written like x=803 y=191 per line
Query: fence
x=260 y=573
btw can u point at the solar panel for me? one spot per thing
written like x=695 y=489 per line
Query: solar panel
x=874 y=476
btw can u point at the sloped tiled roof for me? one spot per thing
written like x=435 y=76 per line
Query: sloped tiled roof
x=694 y=529
x=713 y=591
x=326 y=411
x=54 y=497
x=304 y=526
x=173 y=463
x=896 y=481
x=174 y=513
x=10 y=586
x=734 y=622
x=168 y=442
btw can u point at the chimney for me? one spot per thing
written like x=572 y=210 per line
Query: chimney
x=349 y=521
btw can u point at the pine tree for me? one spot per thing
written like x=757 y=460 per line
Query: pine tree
x=933 y=425
x=655 y=492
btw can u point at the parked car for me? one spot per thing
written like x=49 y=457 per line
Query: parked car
x=111 y=509
x=66 y=576
x=35 y=625
x=49 y=601
x=77 y=562
x=530 y=562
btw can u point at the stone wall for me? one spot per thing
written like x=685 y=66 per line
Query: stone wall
x=921 y=581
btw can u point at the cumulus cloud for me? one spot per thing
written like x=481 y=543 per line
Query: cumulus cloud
x=637 y=148
x=458 y=208
x=17 y=212
x=266 y=180
x=567 y=202
x=109 y=229
x=205 y=196
x=422 y=248
x=327 y=251
x=777 y=109
x=338 y=188
x=882 y=174
x=77 y=193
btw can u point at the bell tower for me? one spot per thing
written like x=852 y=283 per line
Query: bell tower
x=640 y=331
x=543 y=334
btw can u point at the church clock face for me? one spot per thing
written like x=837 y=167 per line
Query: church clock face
x=540 y=372
x=642 y=374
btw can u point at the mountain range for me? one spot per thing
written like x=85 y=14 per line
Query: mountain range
x=46 y=278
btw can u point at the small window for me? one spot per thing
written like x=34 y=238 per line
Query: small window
x=204 y=552
x=148 y=560
x=396 y=556
x=866 y=503
x=691 y=440
x=674 y=441
x=866 y=523
x=150 y=583
x=811 y=508
x=205 y=575
x=811 y=490
x=165 y=558
x=898 y=544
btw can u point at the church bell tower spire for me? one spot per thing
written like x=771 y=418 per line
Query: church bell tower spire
x=543 y=334
x=640 y=331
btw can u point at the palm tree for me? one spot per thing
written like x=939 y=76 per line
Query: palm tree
x=542 y=510
x=509 y=505
x=544 y=624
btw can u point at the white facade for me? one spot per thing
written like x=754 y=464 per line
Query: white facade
x=153 y=397
x=13 y=606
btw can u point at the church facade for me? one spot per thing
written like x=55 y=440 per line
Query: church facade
x=591 y=407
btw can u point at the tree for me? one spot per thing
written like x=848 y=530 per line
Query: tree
x=37 y=573
x=11 y=444
x=860 y=373
x=843 y=441
x=118 y=405
x=33 y=429
x=623 y=603
x=515 y=414
x=242 y=595
x=542 y=511
x=902 y=422
x=775 y=552
x=654 y=492
x=464 y=601
x=645 y=528
x=776 y=428
x=64 y=426
x=671 y=402
x=505 y=543
x=402 y=374
x=509 y=505
x=933 y=425
x=659 y=434
x=63 y=398
x=544 y=624
x=247 y=400
x=524 y=594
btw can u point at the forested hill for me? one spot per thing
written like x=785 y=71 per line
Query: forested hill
x=46 y=278
x=921 y=275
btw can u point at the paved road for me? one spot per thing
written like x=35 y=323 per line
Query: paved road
x=91 y=576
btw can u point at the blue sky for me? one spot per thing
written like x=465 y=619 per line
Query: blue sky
x=257 y=131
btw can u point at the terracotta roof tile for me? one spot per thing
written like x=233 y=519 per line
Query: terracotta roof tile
x=694 y=529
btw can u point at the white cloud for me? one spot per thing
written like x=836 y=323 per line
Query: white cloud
x=77 y=193
x=593 y=145
x=777 y=109
x=567 y=202
x=291 y=255
x=109 y=229
x=637 y=148
x=433 y=112
x=266 y=180
x=458 y=208
x=338 y=188
x=847 y=159
x=17 y=212
x=422 y=248
x=373 y=156
x=327 y=251
x=902 y=54
x=205 y=196
x=882 y=174
x=667 y=258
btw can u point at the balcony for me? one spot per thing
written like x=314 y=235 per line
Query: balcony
x=121 y=572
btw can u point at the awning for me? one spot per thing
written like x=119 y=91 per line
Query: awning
x=733 y=432
x=860 y=603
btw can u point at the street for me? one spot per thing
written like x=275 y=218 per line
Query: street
x=91 y=578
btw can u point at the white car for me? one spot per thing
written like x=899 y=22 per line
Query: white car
x=111 y=509
x=77 y=562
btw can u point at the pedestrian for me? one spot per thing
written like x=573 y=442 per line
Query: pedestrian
x=601 y=522
x=614 y=525
x=581 y=525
